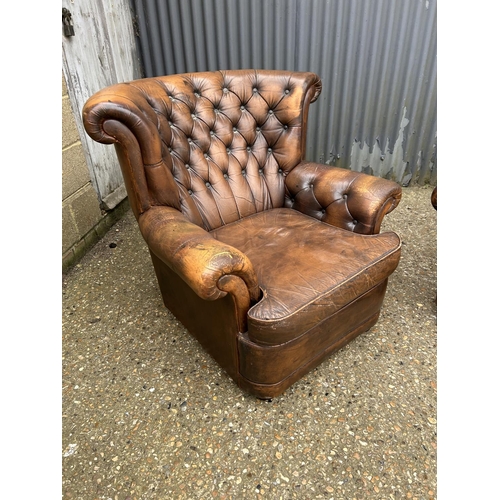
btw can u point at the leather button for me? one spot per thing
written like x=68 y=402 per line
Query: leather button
x=187 y=166
x=249 y=149
x=354 y=221
x=197 y=94
x=280 y=170
x=285 y=127
x=205 y=155
x=257 y=129
x=226 y=176
x=269 y=150
x=271 y=112
x=189 y=191
x=190 y=140
x=260 y=170
x=207 y=184
x=228 y=151
x=287 y=91
x=242 y=108
x=243 y=172
x=254 y=90
x=344 y=196
x=212 y=133
x=193 y=116
x=235 y=129
x=323 y=211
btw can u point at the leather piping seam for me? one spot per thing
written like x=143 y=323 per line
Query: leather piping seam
x=316 y=325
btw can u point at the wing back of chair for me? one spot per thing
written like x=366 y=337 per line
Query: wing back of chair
x=216 y=145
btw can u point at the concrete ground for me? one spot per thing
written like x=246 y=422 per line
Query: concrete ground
x=147 y=414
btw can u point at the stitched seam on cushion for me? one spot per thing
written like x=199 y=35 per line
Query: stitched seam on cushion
x=321 y=322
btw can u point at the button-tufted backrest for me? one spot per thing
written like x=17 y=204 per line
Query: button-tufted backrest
x=214 y=145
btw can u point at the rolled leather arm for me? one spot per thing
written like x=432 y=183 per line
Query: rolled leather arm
x=211 y=268
x=350 y=200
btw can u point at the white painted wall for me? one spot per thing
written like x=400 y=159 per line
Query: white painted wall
x=102 y=52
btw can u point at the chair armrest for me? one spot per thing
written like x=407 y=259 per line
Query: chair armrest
x=211 y=268
x=350 y=200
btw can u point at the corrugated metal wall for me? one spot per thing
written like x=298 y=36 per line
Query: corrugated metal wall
x=377 y=60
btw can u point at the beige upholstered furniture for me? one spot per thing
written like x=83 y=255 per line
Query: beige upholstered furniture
x=270 y=261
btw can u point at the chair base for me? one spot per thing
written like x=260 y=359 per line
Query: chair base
x=260 y=370
x=270 y=391
x=267 y=371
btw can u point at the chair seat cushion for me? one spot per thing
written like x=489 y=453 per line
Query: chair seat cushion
x=307 y=270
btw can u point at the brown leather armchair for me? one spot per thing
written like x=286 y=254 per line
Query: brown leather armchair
x=271 y=262
x=434 y=198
